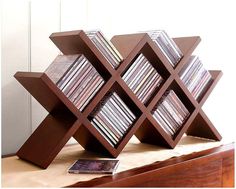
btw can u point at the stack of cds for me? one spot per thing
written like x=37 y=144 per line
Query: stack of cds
x=166 y=45
x=105 y=47
x=170 y=113
x=195 y=77
x=142 y=78
x=78 y=80
x=113 y=119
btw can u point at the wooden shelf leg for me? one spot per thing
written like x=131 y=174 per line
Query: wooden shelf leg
x=203 y=127
x=48 y=139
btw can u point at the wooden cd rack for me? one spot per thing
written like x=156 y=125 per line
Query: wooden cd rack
x=65 y=120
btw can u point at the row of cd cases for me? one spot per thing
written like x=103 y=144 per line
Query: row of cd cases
x=161 y=39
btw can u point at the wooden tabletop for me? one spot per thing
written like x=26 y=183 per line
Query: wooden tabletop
x=135 y=156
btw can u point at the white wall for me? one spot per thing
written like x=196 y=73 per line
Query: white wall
x=15 y=56
x=26 y=26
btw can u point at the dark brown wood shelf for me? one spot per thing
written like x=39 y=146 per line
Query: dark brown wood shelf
x=65 y=120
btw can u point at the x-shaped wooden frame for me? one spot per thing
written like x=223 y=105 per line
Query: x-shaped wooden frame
x=65 y=120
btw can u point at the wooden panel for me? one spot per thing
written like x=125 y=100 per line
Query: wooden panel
x=203 y=127
x=33 y=82
x=228 y=171
x=49 y=138
x=201 y=174
x=14 y=57
x=209 y=168
x=125 y=44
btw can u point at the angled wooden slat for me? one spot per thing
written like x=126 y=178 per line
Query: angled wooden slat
x=126 y=44
x=203 y=127
x=187 y=45
x=49 y=138
x=216 y=75
x=34 y=84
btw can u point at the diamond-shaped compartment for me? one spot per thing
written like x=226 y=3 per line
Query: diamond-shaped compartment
x=114 y=116
x=145 y=74
x=173 y=110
